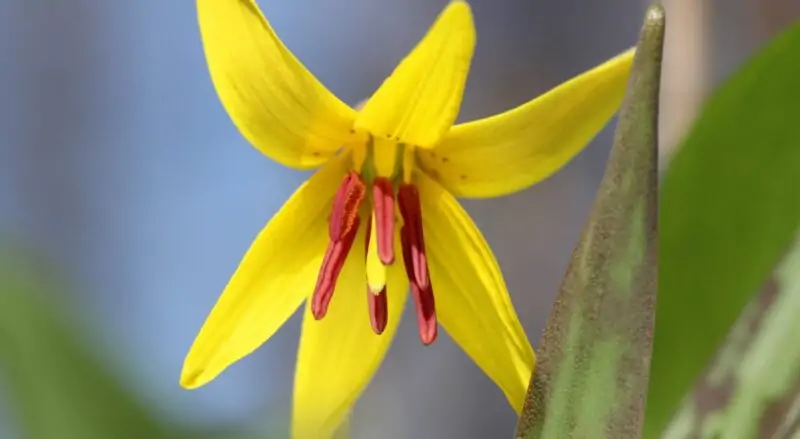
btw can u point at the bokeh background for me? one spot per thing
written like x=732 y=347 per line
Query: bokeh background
x=121 y=171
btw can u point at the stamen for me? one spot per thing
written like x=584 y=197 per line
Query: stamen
x=378 y=310
x=383 y=200
x=342 y=227
x=408 y=163
x=332 y=265
x=345 y=206
x=424 y=302
x=408 y=200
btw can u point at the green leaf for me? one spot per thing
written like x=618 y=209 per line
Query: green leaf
x=752 y=389
x=59 y=389
x=591 y=376
x=730 y=206
x=59 y=386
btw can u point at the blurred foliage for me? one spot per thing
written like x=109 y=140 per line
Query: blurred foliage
x=730 y=208
x=59 y=389
x=59 y=386
x=590 y=380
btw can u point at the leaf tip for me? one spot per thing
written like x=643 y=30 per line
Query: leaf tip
x=655 y=17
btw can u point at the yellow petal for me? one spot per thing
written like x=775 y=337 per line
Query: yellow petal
x=339 y=354
x=275 y=276
x=472 y=301
x=276 y=103
x=419 y=102
x=511 y=151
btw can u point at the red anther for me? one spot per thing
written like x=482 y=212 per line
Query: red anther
x=426 y=314
x=335 y=257
x=410 y=209
x=424 y=302
x=378 y=310
x=345 y=206
x=383 y=200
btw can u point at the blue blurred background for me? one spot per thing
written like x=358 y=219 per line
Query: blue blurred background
x=120 y=168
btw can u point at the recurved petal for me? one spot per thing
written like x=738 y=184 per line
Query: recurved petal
x=511 y=151
x=472 y=301
x=277 y=104
x=339 y=354
x=419 y=102
x=276 y=274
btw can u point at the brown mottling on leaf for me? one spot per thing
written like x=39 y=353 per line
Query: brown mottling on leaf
x=715 y=390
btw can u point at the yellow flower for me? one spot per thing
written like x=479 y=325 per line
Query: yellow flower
x=387 y=178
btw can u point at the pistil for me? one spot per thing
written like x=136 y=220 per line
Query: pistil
x=376 y=300
x=378 y=310
x=376 y=271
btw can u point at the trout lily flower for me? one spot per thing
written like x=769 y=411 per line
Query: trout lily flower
x=379 y=216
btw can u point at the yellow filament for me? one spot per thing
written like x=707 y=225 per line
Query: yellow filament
x=384 y=157
x=359 y=155
x=408 y=163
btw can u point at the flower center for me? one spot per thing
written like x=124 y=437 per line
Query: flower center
x=380 y=180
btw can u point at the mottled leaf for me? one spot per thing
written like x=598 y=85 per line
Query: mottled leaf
x=593 y=363
x=752 y=388
x=730 y=207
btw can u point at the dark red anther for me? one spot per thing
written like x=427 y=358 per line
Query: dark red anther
x=332 y=265
x=345 y=206
x=378 y=310
x=383 y=200
x=410 y=209
x=342 y=228
x=424 y=302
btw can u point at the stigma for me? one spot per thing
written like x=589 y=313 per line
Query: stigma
x=379 y=194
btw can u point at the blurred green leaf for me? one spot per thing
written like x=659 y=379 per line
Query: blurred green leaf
x=591 y=376
x=730 y=206
x=60 y=388
x=752 y=389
